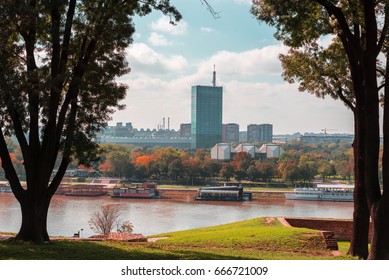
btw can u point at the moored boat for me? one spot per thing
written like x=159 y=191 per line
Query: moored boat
x=86 y=190
x=145 y=190
x=223 y=193
x=5 y=188
x=322 y=192
x=97 y=187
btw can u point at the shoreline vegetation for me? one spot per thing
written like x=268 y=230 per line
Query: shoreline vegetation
x=260 y=238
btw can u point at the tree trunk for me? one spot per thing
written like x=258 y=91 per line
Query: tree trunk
x=378 y=209
x=361 y=215
x=34 y=217
x=379 y=248
x=380 y=215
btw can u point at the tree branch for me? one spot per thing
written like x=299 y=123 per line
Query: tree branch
x=53 y=186
x=9 y=169
x=339 y=15
x=58 y=79
x=345 y=100
x=384 y=32
x=215 y=14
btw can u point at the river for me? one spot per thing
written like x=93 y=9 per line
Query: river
x=68 y=215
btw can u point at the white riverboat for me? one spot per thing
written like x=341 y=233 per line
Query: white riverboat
x=340 y=193
x=5 y=187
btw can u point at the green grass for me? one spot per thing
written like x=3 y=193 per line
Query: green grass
x=251 y=239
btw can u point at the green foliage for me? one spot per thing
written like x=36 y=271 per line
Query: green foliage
x=60 y=61
x=297 y=22
x=320 y=71
x=227 y=171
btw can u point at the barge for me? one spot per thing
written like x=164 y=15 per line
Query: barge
x=223 y=193
x=97 y=187
x=144 y=190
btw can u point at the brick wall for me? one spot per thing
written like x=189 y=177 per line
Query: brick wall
x=341 y=228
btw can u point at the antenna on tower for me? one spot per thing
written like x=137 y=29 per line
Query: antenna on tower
x=214 y=76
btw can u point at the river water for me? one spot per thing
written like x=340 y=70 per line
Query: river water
x=67 y=215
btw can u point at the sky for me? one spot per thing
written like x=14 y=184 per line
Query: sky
x=166 y=61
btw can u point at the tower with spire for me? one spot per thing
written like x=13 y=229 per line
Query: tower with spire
x=207 y=112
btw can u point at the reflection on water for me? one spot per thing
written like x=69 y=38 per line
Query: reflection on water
x=68 y=215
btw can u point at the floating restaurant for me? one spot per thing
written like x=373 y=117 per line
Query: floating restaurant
x=223 y=193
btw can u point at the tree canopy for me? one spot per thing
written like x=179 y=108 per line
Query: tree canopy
x=59 y=61
x=347 y=69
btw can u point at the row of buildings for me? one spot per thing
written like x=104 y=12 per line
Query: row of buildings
x=231 y=134
x=226 y=152
x=206 y=128
x=206 y=124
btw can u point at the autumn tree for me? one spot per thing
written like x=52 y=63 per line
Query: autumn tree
x=211 y=166
x=59 y=61
x=176 y=169
x=360 y=31
x=227 y=171
x=253 y=172
x=266 y=170
x=191 y=168
x=164 y=157
x=121 y=163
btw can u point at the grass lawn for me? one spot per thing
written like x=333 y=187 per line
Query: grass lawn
x=252 y=239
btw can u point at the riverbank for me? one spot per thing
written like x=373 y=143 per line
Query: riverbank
x=190 y=193
x=259 y=238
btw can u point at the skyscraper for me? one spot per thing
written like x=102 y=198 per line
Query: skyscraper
x=231 y=133
x=252 y=133
x=207 y=107
x=260 y=133
x=266 y=133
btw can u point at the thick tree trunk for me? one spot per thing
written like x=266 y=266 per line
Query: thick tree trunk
x=379 y=248
x=34 y=217
x=380 y=215
x=361 y=215
x=376 y=202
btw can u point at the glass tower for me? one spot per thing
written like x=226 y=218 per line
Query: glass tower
x=266 y=133
x=207 y=103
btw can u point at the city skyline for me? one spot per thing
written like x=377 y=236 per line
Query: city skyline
x=166 y=61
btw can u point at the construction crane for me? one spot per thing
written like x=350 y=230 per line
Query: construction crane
x=328 y=129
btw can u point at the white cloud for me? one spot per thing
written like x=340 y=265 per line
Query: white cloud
x=206 y=29
x=251 y=63
x=145 y=60
x=163 y=25
x=153 y=95
x=159 y=40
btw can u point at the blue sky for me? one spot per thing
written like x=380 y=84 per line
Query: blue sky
x=167 y=60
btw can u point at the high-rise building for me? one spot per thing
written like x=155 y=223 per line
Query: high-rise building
x=207 y=110
x=260 y=133
x=252 y=133
x=265 y=133
x=231 y=133
x=185 y=130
